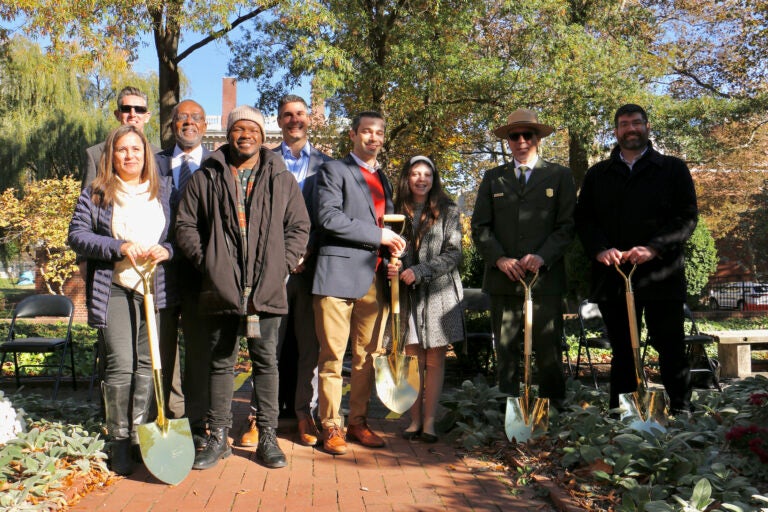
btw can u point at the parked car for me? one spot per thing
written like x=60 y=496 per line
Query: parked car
x=744 y=296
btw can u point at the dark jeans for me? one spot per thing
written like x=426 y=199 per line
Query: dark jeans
x=125 y=338
x=220 y=368
x=664 y=320
x=508 y=325
x=263 y=352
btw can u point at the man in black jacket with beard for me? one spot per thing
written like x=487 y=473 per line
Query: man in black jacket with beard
x=243 y=224
x=639 y=208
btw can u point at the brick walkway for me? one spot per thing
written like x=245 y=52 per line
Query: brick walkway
x=403 y=476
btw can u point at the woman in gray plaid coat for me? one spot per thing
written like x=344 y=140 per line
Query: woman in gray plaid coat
x=433 y=290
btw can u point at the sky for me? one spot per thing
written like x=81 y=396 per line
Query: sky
x=204 y=69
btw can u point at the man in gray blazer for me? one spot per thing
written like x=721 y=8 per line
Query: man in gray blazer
x=131 y=109
x=350 y=304
x=297 y=343
x=180 y=162
x=523 y=223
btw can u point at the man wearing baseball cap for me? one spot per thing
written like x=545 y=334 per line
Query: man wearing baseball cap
x=522 y=224
x=243 y=224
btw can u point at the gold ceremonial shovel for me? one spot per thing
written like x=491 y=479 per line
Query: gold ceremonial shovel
x=166 y=445
x=645 y=409
x=522 y=422
x=397 y=374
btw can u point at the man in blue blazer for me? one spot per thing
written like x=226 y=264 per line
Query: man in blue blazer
x=297 y=344
x=180 y=162
x=350 y=304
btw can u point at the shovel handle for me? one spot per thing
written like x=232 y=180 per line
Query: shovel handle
x=154 y=345
x=527 y=338
x=634 y=333
x=149 y=313
x=528 y=314
x=395 y=218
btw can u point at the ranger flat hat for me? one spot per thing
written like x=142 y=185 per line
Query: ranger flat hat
x=523 y=118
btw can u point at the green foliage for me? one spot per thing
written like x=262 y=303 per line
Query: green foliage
x=45 y=121
x=475 y=414
x=111 y=32
x=700 y=260
x=36 y=467
x=472 y=268
x=697 y=462
x=84 y=339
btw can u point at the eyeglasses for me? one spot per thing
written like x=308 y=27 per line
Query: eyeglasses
x=126 y=109
x=636 y=123
x=516 y=136
x=184 y=116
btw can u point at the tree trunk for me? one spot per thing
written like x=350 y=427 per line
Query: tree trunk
x=577 y=156
x=169 y=97
x=167 y=32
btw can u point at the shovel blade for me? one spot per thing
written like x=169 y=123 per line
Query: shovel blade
x=645 y=410
x=167 y=453
x=522 y=424
x=397 y=381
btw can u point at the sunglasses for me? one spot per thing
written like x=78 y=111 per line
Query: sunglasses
x=126 y=109
x=516 y=136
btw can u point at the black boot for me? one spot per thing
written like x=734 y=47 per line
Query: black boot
x=142 y=410
x=269 y=452
x=116 y=400
x=216 y=447
x=199 y=438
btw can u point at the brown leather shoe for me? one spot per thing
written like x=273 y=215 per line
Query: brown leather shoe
x=334 y=442
x=251 y=436
x=308 y=433
x=363 y=434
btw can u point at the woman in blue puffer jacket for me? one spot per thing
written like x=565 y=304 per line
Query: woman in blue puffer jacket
x=122 y=219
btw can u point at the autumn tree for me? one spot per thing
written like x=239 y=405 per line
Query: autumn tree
x=717 y=84
x=38 y=223
x=112 y=26
x=445 y=73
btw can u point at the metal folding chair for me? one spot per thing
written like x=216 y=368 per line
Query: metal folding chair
x=38 y=306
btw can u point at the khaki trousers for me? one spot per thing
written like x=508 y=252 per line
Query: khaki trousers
x=360 y=322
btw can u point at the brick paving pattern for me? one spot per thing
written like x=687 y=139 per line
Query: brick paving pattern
x=403 y=476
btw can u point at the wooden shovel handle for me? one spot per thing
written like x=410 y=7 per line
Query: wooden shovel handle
x=634 y=333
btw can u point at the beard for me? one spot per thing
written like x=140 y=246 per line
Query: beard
x=640 y=141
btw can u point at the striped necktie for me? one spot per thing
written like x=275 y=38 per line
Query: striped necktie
x=184 y=172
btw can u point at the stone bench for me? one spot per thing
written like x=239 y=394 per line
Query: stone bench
x=734 y=350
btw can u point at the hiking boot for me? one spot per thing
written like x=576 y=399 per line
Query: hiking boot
x=334 y=442
x=216 y=447
x=269 y=452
